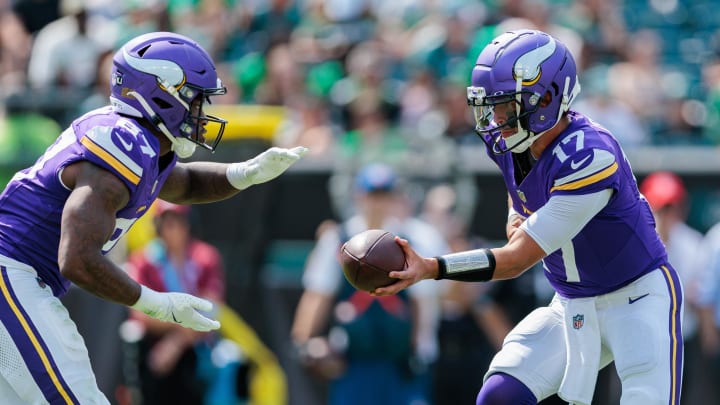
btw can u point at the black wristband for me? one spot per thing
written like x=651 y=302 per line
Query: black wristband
x=474 y=265
x=442 y=268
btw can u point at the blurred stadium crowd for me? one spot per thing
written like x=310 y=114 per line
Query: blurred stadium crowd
x=371 y=80
x=648 y=67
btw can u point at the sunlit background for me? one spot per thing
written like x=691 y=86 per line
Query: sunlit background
x=359 y=81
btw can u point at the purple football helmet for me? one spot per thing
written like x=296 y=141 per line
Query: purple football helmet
x=521 y=67
x=158 y=76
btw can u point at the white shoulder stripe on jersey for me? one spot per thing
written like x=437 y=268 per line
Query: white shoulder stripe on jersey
x=102 y=136
x=601 y=160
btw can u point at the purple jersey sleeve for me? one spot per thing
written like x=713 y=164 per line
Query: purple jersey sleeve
x=121 y=149
x=31 y=205
x=620 y=243
x=585 y=164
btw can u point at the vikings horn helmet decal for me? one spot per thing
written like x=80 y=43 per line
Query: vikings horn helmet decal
x=527 y=67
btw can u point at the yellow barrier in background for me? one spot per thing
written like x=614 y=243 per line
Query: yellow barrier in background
x=248 y=121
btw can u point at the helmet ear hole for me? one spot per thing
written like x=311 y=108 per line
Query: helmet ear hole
x=547 y=98
x=162 y=103
x=556 y=88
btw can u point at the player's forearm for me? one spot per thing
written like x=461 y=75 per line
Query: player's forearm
x=198 y=182
x=101 y=277
x=510 y=264
x=506 y=262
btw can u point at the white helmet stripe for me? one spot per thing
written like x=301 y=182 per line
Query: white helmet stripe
x=167 y=71
x=527 y=66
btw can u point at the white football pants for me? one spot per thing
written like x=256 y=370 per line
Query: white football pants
x=43 y=358
x=639 y=327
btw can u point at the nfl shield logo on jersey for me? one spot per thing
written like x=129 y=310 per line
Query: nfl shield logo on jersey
x=578 y=321
x=522 y=196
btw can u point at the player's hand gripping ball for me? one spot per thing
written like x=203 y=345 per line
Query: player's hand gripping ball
x=369 y=256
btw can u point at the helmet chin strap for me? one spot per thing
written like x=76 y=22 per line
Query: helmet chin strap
x=524 y=145
x=182 y=147
x=568 y=98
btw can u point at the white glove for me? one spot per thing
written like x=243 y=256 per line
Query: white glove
x=178 y=308
x=263 y=167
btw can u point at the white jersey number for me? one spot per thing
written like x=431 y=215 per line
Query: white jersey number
x=121 y=224
x=572 y=273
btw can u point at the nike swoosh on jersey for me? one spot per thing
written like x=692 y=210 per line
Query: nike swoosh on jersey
x=632 y=300
x=603 y=165
x=574 y=165
x=99 y=141
x=128 y=145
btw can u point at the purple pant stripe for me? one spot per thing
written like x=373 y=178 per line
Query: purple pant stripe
x=676 y=339
x=29 y=342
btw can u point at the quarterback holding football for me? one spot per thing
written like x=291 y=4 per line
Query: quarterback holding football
x=575 y=205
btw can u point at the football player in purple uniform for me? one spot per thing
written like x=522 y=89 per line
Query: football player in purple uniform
x=575 y=205
x=61 y=215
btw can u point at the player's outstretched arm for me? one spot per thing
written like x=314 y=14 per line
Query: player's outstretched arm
x=88 y=222
x=263 y=167
x=199 y=182
x=505 y=262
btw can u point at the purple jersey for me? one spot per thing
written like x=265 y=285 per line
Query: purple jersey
x=32 y=203
x=620 y=243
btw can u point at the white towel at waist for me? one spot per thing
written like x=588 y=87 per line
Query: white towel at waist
x=582 y=337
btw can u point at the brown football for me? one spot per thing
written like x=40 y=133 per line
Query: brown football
x=369 y=256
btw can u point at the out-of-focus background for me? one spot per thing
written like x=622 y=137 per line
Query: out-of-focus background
x=359 y=81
